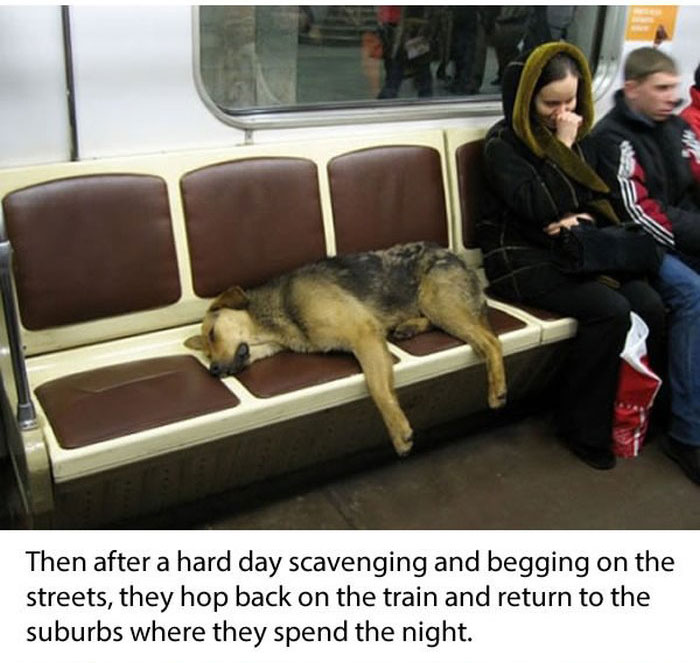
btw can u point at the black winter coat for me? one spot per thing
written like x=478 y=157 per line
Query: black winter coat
x=527 y=191
x=653 y=169
x=525 y=194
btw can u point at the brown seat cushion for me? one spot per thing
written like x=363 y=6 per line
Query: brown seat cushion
x=535 y=311
x=250 y=220
x=387 y=195
x=436 y=340
x=91 y=246
x=93 y=406
x=288 y=371
x=542 y=314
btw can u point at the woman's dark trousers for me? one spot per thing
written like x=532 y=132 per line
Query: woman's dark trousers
x=588 y=381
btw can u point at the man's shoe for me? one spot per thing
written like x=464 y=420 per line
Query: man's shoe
x=686 y=455
x=595 y=457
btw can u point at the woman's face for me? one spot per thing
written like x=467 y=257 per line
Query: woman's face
x=555 y=98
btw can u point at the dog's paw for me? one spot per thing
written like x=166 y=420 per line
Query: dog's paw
x=409 y=329
x=497 y=400
x=403 y=445
x=401 y=335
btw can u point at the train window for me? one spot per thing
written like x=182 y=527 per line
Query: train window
x=257 y=62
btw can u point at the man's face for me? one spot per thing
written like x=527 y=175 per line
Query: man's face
x=655 y=96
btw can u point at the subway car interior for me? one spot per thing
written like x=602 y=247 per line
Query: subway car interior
x=153 y=156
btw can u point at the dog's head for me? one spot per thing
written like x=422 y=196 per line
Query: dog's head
x=227 y=334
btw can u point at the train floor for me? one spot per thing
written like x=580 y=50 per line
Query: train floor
x=512 y=476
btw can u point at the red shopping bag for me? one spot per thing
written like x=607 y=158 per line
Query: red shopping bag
x=636 y=390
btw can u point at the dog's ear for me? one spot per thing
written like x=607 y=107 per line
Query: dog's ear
x=234 y=298
x=195 y=343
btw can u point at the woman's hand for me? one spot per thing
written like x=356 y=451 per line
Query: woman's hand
x=567 y=124
x=567 y=222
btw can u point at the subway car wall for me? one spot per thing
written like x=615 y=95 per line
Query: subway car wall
x=84 y=82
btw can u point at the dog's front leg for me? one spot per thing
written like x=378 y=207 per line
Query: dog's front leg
x=374 y=357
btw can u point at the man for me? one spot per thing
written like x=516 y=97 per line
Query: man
x=651 y=161
x=691 y=113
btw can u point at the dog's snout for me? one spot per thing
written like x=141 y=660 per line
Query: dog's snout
x=223 y=368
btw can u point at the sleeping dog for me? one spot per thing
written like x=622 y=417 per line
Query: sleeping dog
x=352 y=303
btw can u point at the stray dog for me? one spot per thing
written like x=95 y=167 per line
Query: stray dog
x=351 y=303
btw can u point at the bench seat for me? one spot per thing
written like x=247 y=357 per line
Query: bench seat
x=115 y=414
x=114 y=264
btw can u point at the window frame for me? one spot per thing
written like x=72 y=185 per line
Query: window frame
x=608 y=47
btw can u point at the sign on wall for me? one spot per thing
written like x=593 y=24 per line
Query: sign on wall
x=651 y=23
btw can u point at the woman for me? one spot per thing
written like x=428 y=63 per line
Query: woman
x=542 y=179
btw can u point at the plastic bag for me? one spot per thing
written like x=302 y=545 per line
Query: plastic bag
x=636 y=390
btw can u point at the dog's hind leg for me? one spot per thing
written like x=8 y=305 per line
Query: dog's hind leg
x=451 y=299
x=342 y=322
x=371 y=351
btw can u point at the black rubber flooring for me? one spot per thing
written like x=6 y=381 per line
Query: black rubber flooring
x=515 y=476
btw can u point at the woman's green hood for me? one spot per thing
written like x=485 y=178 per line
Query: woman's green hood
x=519 y=81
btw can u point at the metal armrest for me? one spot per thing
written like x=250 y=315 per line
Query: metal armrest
x=26 y=414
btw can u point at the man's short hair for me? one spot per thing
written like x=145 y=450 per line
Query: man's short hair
x=697 y=77
x=643 y=62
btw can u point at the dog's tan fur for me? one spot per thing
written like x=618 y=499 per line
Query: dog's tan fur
x=352 y=303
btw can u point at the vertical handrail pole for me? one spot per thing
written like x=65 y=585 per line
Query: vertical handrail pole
x=26 y=414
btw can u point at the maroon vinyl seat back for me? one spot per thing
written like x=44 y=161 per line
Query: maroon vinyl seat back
x=389 y=195
x=383 y=196
x=95 y=246
x=250 y=220
x=470 y=180
x=90 y=247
